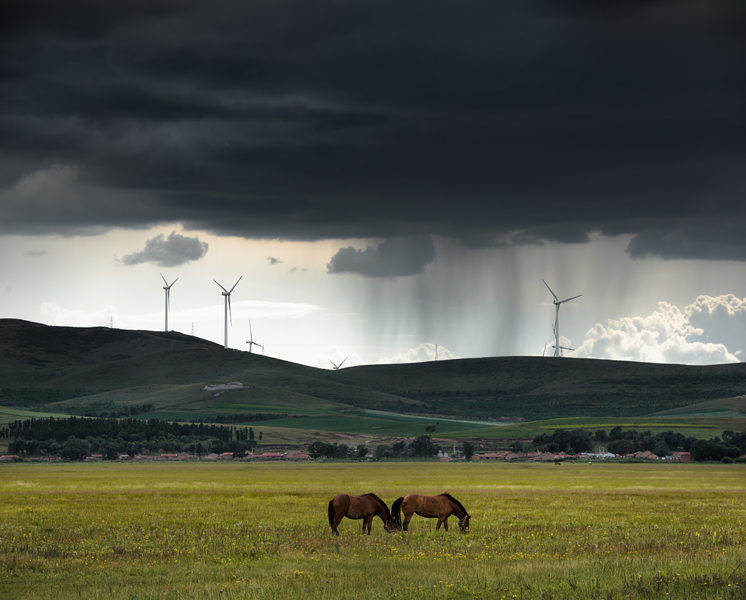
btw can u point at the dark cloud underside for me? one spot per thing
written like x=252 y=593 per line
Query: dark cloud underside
x=509 y=122
x=391 y=258
x=168 y=251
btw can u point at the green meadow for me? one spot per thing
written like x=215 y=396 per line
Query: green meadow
x=240 y=530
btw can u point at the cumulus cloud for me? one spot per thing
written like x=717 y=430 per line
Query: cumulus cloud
x=251 y=309
x=711 y=330
x=54 y=314
x=393 y=257
x=722 y=319
x=422 y=353
x=168 y=251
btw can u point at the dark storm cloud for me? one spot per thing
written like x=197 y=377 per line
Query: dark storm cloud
x=494 y=123
x=168 y=251
x=391 y=258
x=726 y=243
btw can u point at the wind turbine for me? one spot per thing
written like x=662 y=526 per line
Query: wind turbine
x=336 y=366
x=251 y=341
x=227 y=296
x=557 y=348
x=167 y=289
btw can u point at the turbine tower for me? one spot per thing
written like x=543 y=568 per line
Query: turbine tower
x=167 y=289
x=557 y=348
x=228 y=313
x=336 y=366
x=251 y=341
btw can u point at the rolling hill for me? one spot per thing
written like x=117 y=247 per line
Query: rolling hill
x=156 y=374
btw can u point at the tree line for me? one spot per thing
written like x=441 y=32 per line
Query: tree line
x=77 y=437
x=729 y=445
x=240 y=417
x=421 y=446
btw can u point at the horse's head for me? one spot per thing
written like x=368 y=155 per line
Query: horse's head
x=389 y=525
x=464 y=523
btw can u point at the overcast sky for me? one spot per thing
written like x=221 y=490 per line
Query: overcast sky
x=385 y=176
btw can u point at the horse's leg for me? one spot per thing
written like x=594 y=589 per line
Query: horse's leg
x=445 y=522
x=368 y=523
x=407 y=518
x=337 y=520
x=333 y=519
x=441 y=521
x=340 y=512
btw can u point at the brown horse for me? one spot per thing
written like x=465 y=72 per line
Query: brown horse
x=363 y=507
x=441 y=506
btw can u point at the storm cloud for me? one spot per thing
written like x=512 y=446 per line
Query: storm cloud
x=170 y=251
x=515 y=122
x=391 y=258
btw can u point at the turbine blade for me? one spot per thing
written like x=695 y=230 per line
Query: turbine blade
x=174 y=281
x=331 y=361
x=343 y=362
x=251 y=333
x=164 y=279
x=550 y=290
x=230 y=312
x=220 y=286
x=568 y=299
x=235 y=284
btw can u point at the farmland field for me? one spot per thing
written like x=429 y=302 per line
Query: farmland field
x=238 y=530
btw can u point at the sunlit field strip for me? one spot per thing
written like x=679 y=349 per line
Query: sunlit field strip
x=9 y=414
x=203 y=530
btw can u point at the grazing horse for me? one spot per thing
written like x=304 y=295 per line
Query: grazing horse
x=363 y=507
x=441 y=506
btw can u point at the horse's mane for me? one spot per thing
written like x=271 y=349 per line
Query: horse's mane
x=456 y=502
x=381 y=502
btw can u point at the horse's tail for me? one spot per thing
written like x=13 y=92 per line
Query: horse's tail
x=331 y=513
x=396 y=512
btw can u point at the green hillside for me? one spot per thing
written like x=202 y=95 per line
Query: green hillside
x=100 y=369
x=113 y=372
x=540 y=388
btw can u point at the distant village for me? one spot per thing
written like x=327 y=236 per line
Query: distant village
x=296 y=455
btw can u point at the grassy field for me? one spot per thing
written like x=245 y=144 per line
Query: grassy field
x=204 y=530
